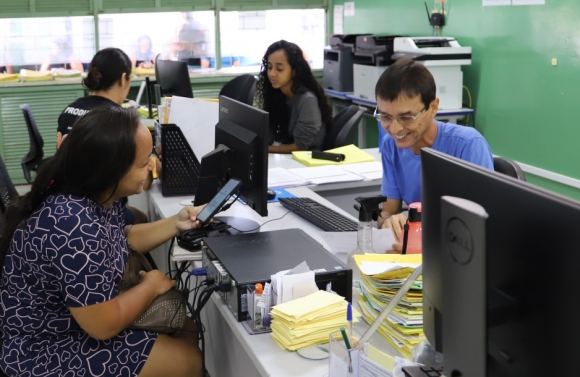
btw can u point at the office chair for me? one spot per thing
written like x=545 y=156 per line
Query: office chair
x=508 y=167
x=241 y=88
x=343 y=127
x=34 y=159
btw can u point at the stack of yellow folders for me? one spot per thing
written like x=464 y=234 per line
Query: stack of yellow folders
x=28 y=75
x=381 y=277
x=9 y=77
x=142 y=72
x=61 y=73
x=308 y=320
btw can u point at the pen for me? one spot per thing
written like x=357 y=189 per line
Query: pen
x=349 y=319
x=347 y=344
x=346 y=341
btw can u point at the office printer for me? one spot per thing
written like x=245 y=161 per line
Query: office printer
x=373 y=53
x=338 y=60
x=443 y=56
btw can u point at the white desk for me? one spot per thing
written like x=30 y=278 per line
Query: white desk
x=230 y=350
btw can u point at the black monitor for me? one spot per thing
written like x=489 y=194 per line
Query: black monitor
x=500 y=272
x=241 y=142
x=173 y=77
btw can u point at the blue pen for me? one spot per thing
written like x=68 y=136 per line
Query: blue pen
x=349 y=319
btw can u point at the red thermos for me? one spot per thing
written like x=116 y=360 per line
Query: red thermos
x=411 y=236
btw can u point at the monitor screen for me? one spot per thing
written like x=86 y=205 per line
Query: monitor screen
x=241 y=141
x=173 y=77
x=516 y=261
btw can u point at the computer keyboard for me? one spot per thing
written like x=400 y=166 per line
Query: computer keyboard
x=423 y=371
x=320 y=215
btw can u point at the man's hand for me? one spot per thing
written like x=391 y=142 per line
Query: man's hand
x=396 y=223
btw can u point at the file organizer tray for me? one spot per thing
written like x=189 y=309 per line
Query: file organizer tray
x=180 y=167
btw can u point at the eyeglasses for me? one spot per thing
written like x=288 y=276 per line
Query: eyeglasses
x=404 y=120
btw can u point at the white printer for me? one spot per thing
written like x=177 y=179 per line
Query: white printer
x=443 y=56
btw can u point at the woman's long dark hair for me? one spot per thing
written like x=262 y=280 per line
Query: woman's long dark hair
x=273 y=100
x=97 y=153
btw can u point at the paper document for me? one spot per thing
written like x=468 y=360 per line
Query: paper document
x=280 y=177
x=197 y=120
x=369 y=368
x=291 y=280
x=325 y=174
x=369 y=170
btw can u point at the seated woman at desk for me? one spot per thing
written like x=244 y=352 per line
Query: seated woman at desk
x=108 y=81
x=61 y=56
x=299 y=112
x=144 y=55
x=63 y=252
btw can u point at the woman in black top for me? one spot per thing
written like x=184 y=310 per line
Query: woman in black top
x=108 y=80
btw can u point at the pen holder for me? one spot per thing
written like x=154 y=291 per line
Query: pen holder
x=256 y=314
x=343 y=362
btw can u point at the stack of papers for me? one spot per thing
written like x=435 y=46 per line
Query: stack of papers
x=280 y=177
x=144 y=112
x=29 y=76
x=309 y=320
x=142 y=72
x=381 y=277
x=8 y=77
x=352 y=155
x=61 y=73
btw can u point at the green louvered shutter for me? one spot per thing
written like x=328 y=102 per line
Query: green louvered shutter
x=247 y=5
x=137 y=6
x=44 y=8
x=46 y=105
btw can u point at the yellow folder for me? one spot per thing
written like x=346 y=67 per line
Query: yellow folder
x=352 y=154
x=8 y=77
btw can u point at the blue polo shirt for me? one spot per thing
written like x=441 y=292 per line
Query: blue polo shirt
x=402 y=168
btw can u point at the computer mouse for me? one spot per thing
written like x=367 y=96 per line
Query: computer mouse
x=271 y=194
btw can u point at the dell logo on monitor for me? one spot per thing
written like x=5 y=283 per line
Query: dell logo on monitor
x=459 y=241
x=224 y=109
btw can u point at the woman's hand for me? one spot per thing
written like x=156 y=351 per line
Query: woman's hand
x=187 y=218
x=157 y=280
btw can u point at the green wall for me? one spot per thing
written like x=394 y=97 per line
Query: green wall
x=526 y=108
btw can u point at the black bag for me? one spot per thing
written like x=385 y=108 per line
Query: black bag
x=167 y=313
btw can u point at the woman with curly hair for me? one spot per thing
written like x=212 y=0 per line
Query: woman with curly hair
x=299 y=112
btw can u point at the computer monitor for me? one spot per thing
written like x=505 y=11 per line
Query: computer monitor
x=241 y=152
x=500 y=272
x=173 y=76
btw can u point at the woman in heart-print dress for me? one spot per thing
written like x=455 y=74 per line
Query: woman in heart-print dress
x=63 y=252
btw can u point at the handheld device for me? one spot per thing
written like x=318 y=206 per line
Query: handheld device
x=338 y=157
x=219 y=200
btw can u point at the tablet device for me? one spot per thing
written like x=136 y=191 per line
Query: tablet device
x=218 y=201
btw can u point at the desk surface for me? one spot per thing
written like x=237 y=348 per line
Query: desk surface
x=230 y=349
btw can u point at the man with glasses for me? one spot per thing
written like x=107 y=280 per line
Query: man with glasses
x=406 y=106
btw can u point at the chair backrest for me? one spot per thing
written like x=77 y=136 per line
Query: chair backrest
x=241 y=88
x=7 y=193
x=35 y=153
x=508 y=167
x=7 y=189
x=343 y=127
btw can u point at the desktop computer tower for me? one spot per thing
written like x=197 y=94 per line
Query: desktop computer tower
x=338 y=66
x=247 y=259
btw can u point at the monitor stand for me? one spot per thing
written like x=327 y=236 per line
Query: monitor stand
x=240 y=224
